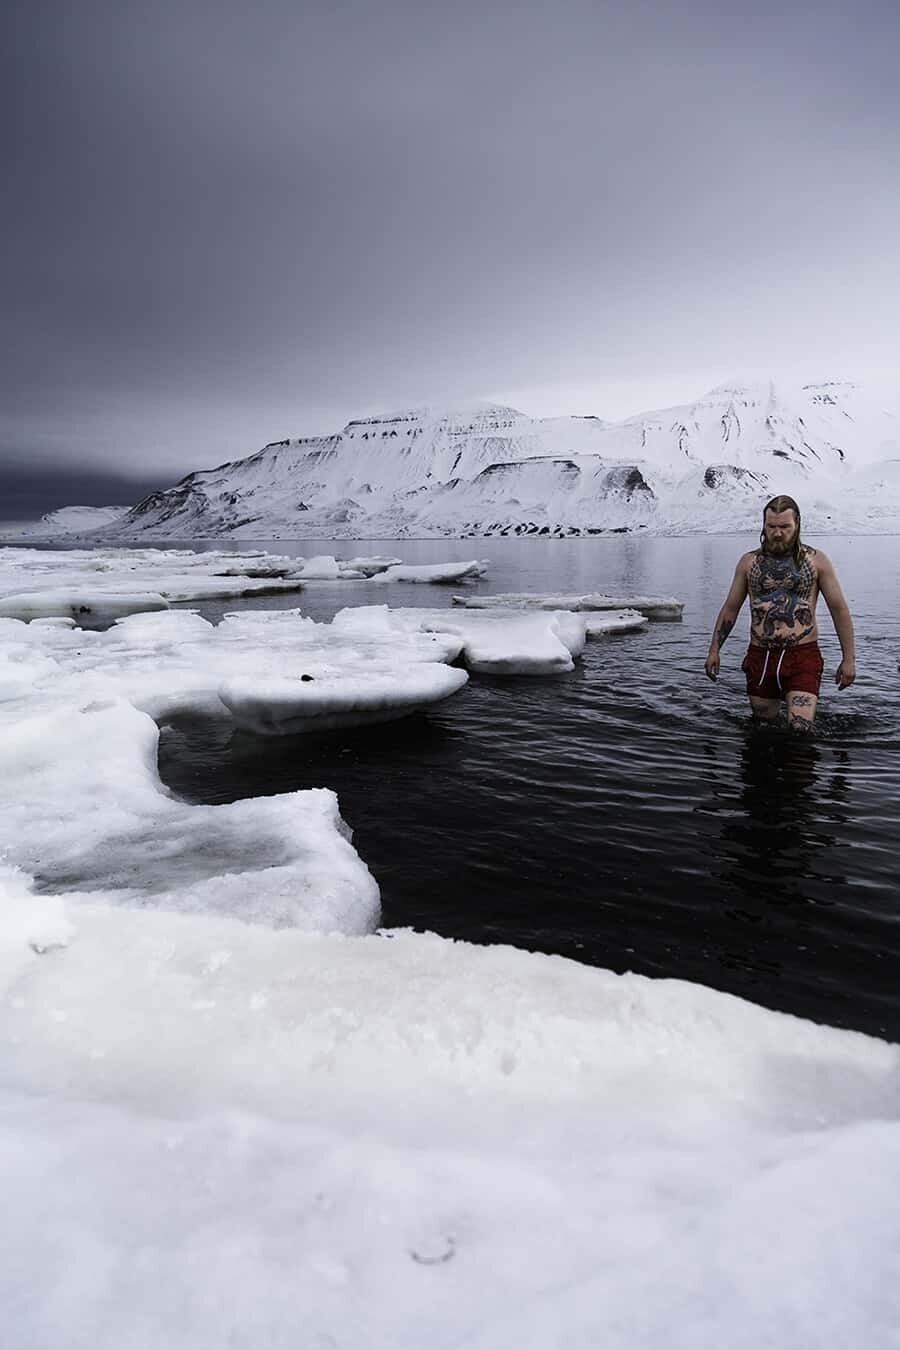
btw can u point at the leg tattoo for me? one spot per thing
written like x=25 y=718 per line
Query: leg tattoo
x=801 y=712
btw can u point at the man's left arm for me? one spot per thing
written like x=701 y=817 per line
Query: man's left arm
x=840 y=615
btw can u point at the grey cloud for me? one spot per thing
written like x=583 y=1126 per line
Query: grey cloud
x=233 y=221
x=28 y=493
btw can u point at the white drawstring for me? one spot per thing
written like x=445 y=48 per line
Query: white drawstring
x=777 y=669
x=764 y=669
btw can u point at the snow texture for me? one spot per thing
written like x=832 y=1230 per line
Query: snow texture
x=214 y=1134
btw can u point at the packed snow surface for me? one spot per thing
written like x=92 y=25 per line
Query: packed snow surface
x=232 y=1114
x=216 y=1134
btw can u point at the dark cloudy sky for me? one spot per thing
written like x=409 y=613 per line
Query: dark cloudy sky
x=227 y=222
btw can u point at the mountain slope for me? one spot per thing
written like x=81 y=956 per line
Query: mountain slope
x=491 y=469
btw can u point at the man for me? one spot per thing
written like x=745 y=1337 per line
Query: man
x=783 y=578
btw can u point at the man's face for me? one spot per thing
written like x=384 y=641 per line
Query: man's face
x=780 y=529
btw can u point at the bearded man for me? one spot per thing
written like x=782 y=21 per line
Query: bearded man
x=783 y=578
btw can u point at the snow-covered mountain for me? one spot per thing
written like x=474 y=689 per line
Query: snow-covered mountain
x=64 y=521
x=489 y=470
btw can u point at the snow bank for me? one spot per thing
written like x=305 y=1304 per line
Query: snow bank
x=400 y=1142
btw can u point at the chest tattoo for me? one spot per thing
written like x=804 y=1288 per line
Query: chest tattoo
x=782 y=599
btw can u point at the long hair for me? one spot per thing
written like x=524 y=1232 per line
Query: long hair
x=778 y=504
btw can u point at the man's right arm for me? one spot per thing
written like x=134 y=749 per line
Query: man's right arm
x=726 y=618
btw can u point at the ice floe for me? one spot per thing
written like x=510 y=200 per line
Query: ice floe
x=101 y=584
x=440 y=573
x=281 y=706
x=653 y=606
x=176 y=662
x=84 y=603
x=85 y=815
x=104 y=583
x=369 y=566
x=495 y=643
x=614 y=621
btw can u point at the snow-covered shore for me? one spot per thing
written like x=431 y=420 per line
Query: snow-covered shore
x=215 y=1133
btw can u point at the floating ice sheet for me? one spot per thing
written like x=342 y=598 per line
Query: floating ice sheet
x=79 y=604
x=495 y=643
x=653 y=606
x=81 y=805
x=108 y=582
x=178 y=663
x=441 y=573
x=614 y=621
x=86 y=816
x=283 y=706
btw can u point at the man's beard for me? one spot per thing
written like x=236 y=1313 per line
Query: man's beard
x=780 y=546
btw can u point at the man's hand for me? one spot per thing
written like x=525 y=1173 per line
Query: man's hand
x=845 y=673
x=712 y=665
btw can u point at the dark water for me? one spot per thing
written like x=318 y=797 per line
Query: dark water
x=627 y=814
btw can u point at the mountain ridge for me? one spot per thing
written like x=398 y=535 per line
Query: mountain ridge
x=491 y=469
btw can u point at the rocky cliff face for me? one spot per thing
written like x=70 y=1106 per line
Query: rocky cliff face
x=488 y=470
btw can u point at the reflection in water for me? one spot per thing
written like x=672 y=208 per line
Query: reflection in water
x=788 y=802
x=777 y=858
x=782 y=835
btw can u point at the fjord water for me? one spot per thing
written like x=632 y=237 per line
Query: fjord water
x=627 y=814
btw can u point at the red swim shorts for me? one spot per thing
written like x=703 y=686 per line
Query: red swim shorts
x=774 y=672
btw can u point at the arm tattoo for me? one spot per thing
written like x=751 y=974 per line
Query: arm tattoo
x=724 y=629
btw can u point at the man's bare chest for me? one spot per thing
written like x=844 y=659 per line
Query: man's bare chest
x=777 y=580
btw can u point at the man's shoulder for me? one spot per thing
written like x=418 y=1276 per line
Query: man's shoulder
x=817 y=558
x=746 y=560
